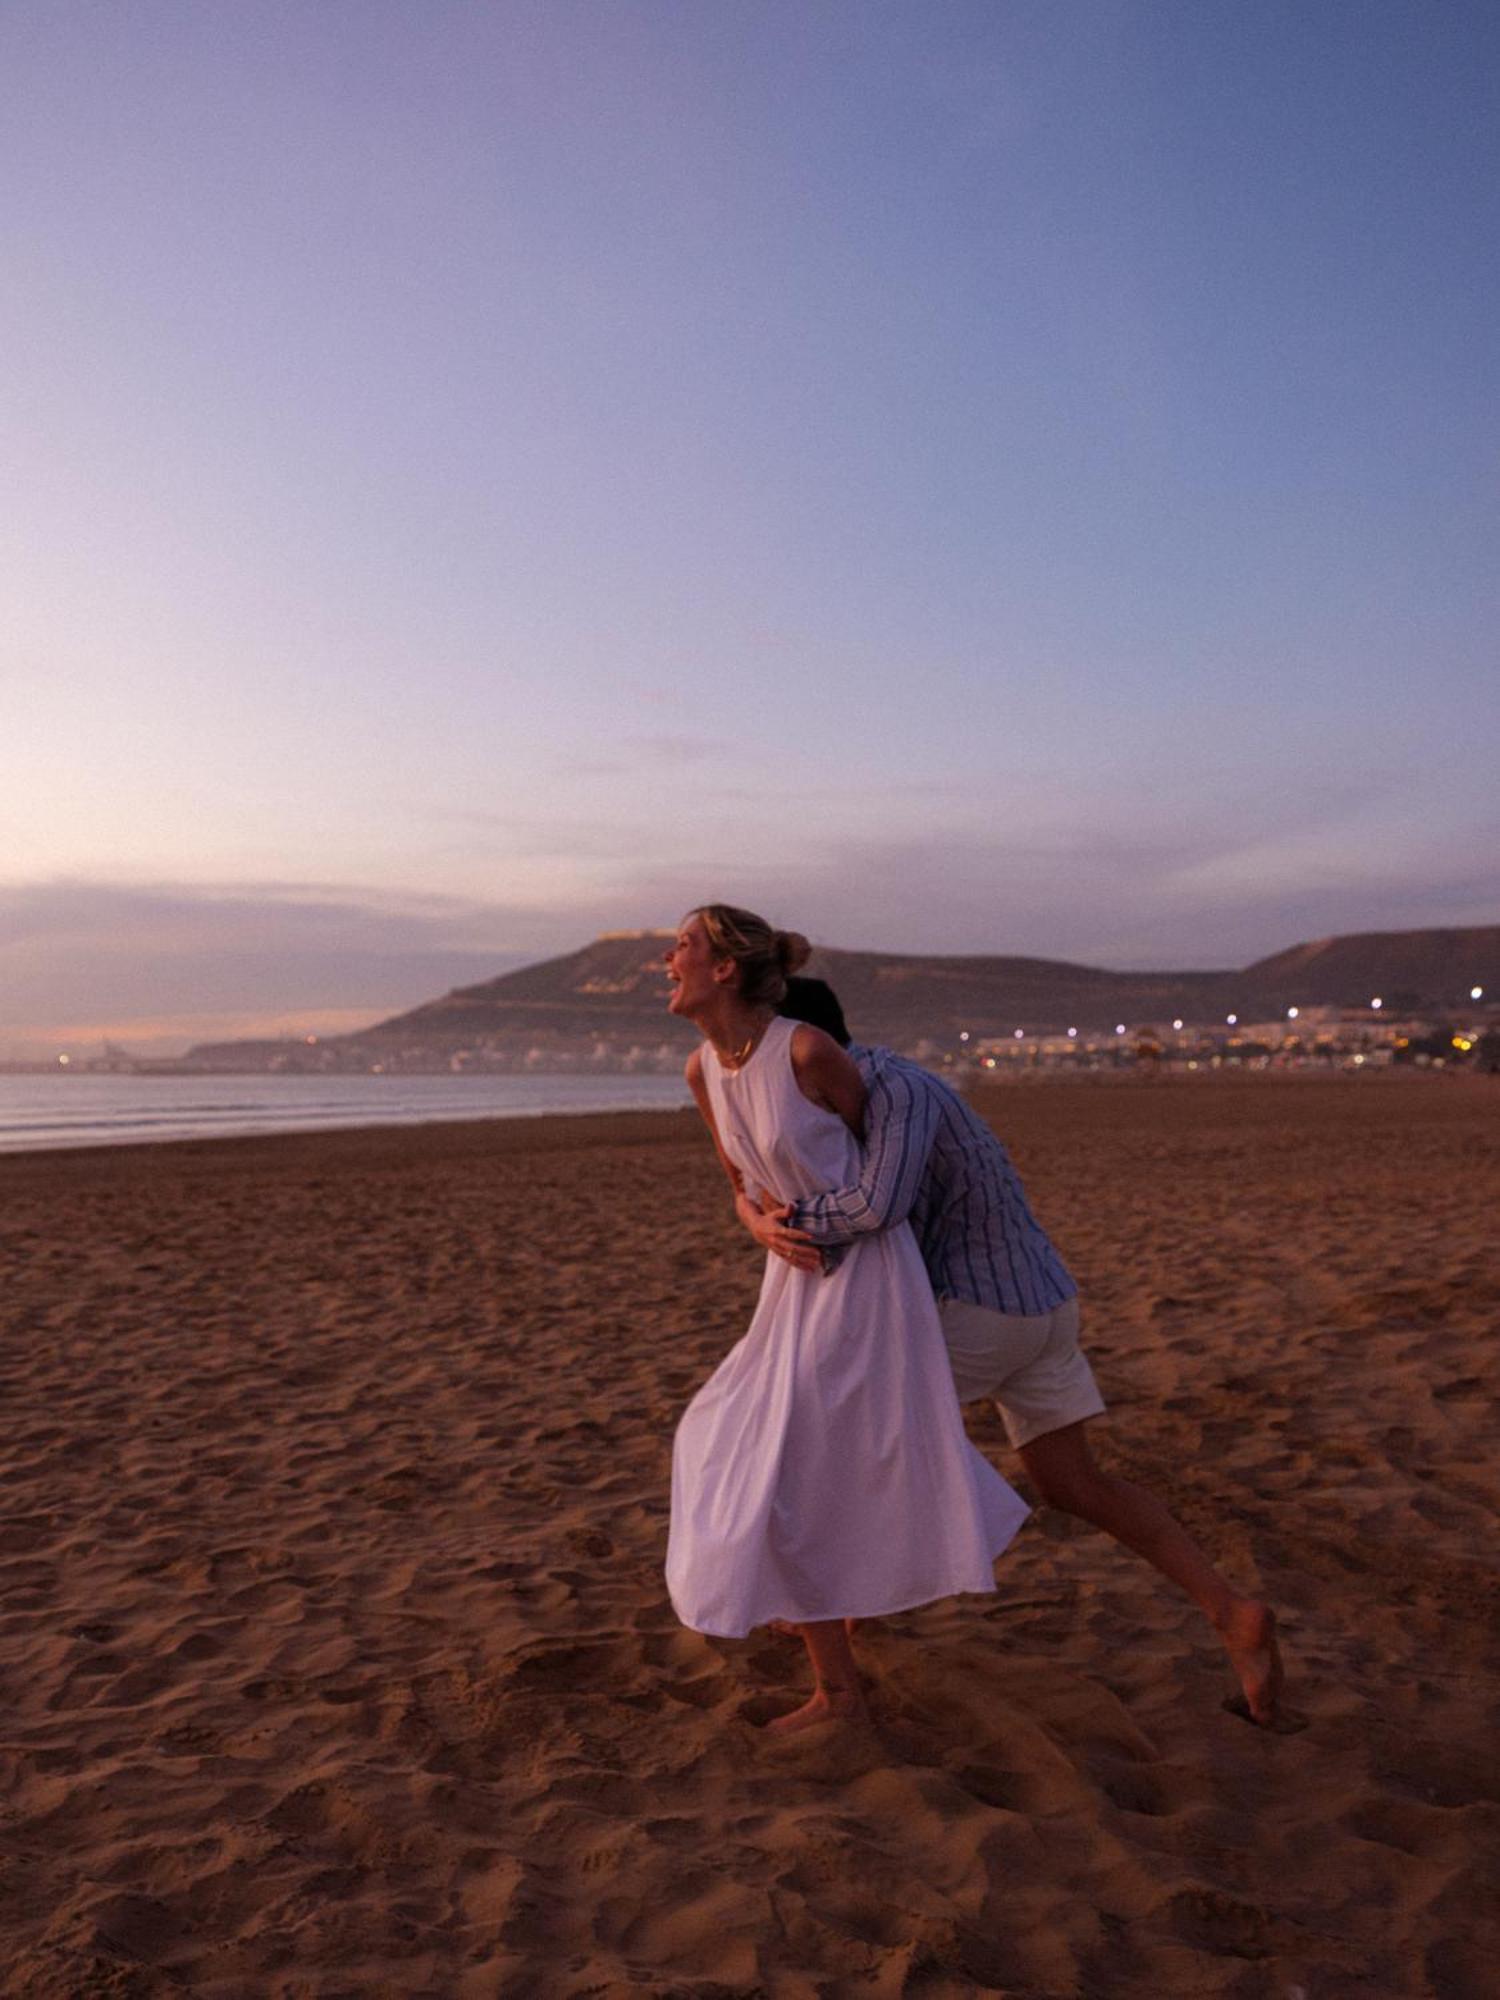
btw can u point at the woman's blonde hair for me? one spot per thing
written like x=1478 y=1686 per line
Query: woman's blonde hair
x=764 y=956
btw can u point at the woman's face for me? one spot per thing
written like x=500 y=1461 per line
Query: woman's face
x=696 y=975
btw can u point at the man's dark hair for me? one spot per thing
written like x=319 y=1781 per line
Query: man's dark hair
x=814 y=1001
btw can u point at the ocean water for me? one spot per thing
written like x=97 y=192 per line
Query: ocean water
x=81 y=1110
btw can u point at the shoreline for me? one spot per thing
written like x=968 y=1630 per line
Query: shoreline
x=974 y=1088
x=450 y=1135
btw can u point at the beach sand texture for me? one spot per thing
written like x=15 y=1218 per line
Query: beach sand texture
x=335 y=1658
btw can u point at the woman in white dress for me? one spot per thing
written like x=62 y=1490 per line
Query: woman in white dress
x=822 y=1473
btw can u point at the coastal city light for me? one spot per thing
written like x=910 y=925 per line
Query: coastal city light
x=1119 y=1027
x=1177 y=1024
x=1291 y=1013
x=1020 y=1034
x=1377 y=1003
x=1476 y=992
x=1072 y=1034
x=963 y=1034
x=1232 y=1020
x=64 y=1060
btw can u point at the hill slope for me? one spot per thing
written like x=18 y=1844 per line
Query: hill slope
x=615 y=988
x=606 y=1003
x=1431 y=969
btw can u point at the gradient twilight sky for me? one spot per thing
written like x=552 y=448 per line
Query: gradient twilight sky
x=964 y=475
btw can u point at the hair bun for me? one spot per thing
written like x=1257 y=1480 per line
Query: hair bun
x=792 y=950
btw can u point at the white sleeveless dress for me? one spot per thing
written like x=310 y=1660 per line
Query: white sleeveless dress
x=822 y=1471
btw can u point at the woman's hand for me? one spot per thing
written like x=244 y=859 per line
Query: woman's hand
x=768 y=1227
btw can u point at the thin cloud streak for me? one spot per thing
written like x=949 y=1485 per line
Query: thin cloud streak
x=82 y=955
x=1120 y=889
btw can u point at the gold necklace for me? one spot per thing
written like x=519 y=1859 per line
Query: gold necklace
x=737 y=1058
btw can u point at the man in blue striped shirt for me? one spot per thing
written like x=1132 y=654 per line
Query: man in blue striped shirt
x=1009 y=1311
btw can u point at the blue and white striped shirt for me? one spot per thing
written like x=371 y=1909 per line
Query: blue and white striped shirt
x=930 y=1160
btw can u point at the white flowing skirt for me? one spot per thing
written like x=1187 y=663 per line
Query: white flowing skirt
x=822 y=1471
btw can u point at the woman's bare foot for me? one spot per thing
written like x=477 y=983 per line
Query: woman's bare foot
x=828 y=1704
x=1249 y=1635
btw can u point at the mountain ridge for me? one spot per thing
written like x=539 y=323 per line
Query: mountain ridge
x=610 y=996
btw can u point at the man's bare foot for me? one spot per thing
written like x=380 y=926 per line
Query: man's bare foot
x=827 y=1705
x=1249 y=1635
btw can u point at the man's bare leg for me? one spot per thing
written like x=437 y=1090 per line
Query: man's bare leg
x=837 y=1692
x=1069 y=1478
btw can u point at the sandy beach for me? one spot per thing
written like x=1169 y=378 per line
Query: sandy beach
x=335 y=1658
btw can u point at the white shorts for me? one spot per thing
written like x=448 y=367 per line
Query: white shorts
x=1030 y=1363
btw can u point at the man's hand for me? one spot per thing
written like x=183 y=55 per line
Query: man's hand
x=768 y=1227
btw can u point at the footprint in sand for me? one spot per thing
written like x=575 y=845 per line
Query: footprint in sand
x=1461 y=1968
x=1213 y=1922
x=589 y=1542
x=141 y=1685
x=1135 y=1789
x=187 y=1739
x=132 y=1926
x=344 y=1695
x=199 y=1646
x=572 y=1667
x=1441 y=1775
x=1464 y=1387
x=598 y=1860
x=81 y=1687
x=1287 y=1721
x=708 y=1692
x=272 y=1689
x=1006 y=1791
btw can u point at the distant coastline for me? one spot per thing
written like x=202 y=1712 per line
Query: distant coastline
x=1371 y=999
